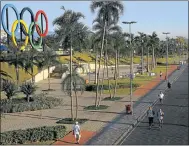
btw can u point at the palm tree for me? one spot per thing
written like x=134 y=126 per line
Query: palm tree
x=108 y=11
x=141 y=39
x=30 y=61
x=69 y=33
x=154 y=41
x=77 y=83
x=47 y=59
x=118 y=43
x=15 y=59
x=110 y=28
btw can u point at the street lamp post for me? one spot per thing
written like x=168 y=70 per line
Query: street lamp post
x=166 y=33
x=131 y=64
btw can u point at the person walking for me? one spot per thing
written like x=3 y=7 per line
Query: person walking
x=150 y=114
x=161 y=96
x=76 y=132
x=160 y=75
x=160 y=115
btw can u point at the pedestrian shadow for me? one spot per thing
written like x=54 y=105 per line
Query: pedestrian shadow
x=170 y=124
x=32 y=116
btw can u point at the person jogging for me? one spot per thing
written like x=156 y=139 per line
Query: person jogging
x=160 y=75
x=76 y=132
x=150 y=114
x=161 y=96
x=160 y=115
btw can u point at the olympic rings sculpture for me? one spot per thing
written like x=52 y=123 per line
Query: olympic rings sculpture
x=28 y=32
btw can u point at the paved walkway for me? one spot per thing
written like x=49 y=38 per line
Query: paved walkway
x=122 y=124
x=49 y=117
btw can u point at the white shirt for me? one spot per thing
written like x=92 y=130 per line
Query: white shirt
x=76 y=129
x=161 y=96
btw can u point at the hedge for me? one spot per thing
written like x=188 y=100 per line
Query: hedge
x=37 y=103
x=33 y=135
x=106 y=87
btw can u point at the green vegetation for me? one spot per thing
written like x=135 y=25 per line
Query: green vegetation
x=93 y=107
x=37 y=102
x=70 y=121
x=112 y=99
x=40 y=134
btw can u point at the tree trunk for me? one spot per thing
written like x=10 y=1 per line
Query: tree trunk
x=49 y=78
x=148 y=60
x=71 y=81
x=118 y=64
x=102 y=86
x=98 y=79
x=28 y=98
x=142 y=60
x=96 y=58
x=76 y=111
x=17 y=75
x=109 y=87
x=153 y=58
x=89 y=72
x=115 y=74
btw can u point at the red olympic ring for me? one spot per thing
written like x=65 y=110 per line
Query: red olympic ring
x=37 y=27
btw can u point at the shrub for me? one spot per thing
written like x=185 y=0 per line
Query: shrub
x=28 y=89
x=9 y=88
x=106 y=87
x=20 y=105
x=32 y=135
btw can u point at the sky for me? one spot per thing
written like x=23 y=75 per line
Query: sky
x=158 y=16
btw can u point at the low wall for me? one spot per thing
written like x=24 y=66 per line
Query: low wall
x=43 y=74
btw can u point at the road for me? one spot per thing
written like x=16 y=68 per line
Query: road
x=175 y=128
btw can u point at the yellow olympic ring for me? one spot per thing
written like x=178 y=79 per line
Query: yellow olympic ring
x=22 y=48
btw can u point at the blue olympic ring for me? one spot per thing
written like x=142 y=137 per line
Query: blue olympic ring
x=2 y=16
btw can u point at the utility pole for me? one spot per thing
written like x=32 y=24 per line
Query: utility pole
x=131 y=64
x=166 y=33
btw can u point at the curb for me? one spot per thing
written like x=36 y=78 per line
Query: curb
x=120 y=140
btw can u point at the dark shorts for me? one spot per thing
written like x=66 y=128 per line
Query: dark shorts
x=150 y=120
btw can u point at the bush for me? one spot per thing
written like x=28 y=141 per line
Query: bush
x=28 y=89
x=106 y=87
x=93 y=107
x=70 y=121
x=32 y=135
x=20 y=105
x=9 y=88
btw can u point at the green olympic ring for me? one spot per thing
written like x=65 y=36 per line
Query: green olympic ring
x=38 y=46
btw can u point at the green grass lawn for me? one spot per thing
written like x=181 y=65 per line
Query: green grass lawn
x=139 y=79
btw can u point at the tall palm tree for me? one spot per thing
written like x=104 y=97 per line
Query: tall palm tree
x=141 y=39
x=110 y=28
x=154 y=41
x=107 y=11
x=69 y=33
x=118 y=42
